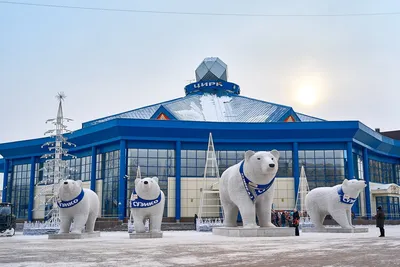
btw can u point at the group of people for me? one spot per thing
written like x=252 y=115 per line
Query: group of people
x=292 y=219
x=286 y=218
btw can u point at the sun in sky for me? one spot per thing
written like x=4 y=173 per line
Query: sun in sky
x=307 y=95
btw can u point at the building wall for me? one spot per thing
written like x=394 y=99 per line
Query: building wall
x=325 y=167
x=284 y=197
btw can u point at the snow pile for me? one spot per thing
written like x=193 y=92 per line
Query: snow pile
x=212 y=108
x=207 y=225
x=192 y=114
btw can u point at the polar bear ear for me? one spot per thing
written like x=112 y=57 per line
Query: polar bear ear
x=155 y=179
x=275 y=153
x=79 y=183
x=137 y=180
x=248 y=154
x=345 y=181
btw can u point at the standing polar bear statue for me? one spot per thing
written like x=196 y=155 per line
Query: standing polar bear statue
x=78 y=205
x=335 y=201
x=147 y=202
x=248 y=187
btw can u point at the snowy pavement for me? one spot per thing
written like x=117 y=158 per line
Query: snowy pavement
x=190 y=248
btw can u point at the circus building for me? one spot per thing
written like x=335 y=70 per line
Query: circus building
x=170 y=140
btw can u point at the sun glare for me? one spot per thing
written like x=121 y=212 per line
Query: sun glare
x=307 y=95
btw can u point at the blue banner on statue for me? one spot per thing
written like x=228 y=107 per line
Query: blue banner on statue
x=138 y=202
x=71 y=203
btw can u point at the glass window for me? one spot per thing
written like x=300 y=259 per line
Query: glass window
x=329 y=154
x=327 y=166
x=19 y=193
x=162 y=153
x=152 y=153
x=381 y=172
x=191 y=154
x=110 y=184
x=201 y=154
x=142 y=153
x=319 y=154
x=339 y=154
x=153 y=162
x=309 y=154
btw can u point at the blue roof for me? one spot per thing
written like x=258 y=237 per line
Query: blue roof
x=213 y=107
x=307 y=118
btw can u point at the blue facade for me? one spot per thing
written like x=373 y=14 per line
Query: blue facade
x=177 y=148
x=170 y=139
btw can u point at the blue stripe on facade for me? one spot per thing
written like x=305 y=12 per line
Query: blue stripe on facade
x=350 y=161
x=296 y=169
x=1 y=165
x=178 y=181
x=366 y=178
x=297 y=132
x=122 y=181
x=350 y=171
x=31 y=189
x=93 y=169
x=5 y=182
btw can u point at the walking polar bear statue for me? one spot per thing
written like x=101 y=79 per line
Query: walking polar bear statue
x=248 y=187
x=335 y=201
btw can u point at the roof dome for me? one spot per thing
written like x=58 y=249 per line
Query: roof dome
x=212 y=77
x=212 y=69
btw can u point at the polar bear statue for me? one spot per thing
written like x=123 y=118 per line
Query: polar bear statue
x=335 y=201
x=147 y=202
x=248 y=187
x=78 y=205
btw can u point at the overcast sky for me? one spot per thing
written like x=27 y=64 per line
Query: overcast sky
x=110 y=62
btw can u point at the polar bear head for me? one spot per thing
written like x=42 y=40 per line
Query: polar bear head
x=69 y=189
x=147 y=188
x=261 y=167
x=353 y=187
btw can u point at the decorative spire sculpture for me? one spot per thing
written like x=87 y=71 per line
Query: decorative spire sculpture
x=54 y=169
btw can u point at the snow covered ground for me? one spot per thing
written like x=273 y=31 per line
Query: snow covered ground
x=190 y=248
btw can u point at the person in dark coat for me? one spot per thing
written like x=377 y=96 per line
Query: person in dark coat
x=283 y=219
x=195 y=221
x=296 y=221
x=380 y=221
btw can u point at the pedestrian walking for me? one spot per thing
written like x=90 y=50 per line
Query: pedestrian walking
x=296 y=222
x=283 y=219
x=380 y=221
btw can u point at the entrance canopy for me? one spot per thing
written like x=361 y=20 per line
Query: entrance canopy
x=384 y=189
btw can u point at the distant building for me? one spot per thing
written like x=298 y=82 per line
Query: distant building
x=169 y=140
x=392 y=134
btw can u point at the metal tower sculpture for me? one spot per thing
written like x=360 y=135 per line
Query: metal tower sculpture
x=54 y=169
x=131 y=226
x=210 y=208
x=301 y=198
